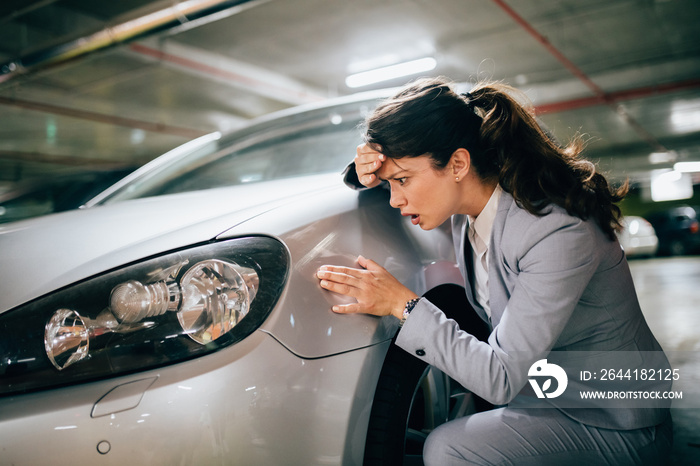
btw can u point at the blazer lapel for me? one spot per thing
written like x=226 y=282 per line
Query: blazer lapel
x=466 y=264
x=498 y=295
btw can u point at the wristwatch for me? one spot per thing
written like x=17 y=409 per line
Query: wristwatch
x=410 y=304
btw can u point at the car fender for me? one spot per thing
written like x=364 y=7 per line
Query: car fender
x=335 y=229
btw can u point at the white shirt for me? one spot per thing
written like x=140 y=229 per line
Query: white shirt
x=480 y=239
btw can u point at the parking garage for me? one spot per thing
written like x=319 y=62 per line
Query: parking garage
x=147 y=144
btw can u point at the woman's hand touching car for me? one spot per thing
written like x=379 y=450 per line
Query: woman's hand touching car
x=377 y=291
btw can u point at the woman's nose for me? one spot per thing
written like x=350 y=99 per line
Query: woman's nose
x=397 y=200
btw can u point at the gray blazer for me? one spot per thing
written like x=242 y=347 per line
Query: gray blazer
x=558 y=286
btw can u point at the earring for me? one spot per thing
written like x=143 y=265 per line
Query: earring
x=457 y=178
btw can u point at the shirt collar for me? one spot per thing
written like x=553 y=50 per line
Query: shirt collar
x=483 y=223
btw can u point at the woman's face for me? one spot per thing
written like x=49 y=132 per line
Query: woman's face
x=427 y=195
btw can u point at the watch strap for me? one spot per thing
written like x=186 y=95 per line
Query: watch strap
x=410 y=304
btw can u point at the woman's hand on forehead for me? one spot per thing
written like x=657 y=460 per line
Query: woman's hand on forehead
x=367 y=162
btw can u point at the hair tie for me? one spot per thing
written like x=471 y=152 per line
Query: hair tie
x=470 y=99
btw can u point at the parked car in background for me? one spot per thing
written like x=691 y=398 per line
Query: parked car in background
x=177 y=318
x=638 y=237
x=36 y=197
x=678 y=230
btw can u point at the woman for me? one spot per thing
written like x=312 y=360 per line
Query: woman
x=534 y=229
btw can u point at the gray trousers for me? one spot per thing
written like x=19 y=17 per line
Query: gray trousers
x=509 y=436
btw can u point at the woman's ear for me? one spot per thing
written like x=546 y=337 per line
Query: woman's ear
x=459 y=164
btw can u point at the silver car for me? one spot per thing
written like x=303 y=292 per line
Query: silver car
x=638 y=237
x=176 y=318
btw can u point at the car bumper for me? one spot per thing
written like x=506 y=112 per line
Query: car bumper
x=252 y=403
x=642 y=246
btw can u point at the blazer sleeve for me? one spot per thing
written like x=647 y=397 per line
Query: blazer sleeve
x=350 y=178
x=553 y=259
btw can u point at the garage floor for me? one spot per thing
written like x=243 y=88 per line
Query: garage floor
x=669 y=293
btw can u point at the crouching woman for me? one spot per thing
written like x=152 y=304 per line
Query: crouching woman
x=534 y=233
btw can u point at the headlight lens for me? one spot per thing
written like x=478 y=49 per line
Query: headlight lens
x=164 y=310
x=216 y=298
x=67 y=338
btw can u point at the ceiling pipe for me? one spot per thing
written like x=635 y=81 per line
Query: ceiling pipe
x=215 y=67
x=629 y=94
x=568 y=64
x=177 y=15
x=102 y=118
x=600 y=96
x=69 y=160
x=552 y=107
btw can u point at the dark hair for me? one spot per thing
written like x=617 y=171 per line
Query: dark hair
x=505 y=142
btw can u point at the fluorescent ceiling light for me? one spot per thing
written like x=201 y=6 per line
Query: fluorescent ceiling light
x=687 y=167
x=685 y=116
x=670 y=185
x=663 y=157
x=390 y=72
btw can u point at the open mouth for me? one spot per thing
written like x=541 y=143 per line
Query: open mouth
x=415 y=218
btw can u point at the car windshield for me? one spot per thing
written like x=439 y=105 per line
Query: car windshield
x=316 y=142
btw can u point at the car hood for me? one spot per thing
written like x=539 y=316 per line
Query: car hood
x=44 y=254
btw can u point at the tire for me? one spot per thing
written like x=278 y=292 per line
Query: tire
x=413 y=398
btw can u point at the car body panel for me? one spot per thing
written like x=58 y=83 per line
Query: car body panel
x=334 y=231
x=286 y=410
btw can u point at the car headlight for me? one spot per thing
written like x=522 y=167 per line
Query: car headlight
x=163 y=310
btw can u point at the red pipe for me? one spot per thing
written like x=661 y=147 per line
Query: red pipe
x=214 y=71
x=618 y=96
x=600 y=97
x=575 y=70
x=102 y=118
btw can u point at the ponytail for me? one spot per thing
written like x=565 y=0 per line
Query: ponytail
x=505 y=142
x=534 y=169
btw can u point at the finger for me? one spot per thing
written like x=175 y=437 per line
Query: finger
x=347 y=308
x=367 y=167
x=366 y=155
x=369 y=161
x=369 y=264
x=340 y=288
x=338 y=278
x=350 y=271
x=369 y=181
x=367 y=151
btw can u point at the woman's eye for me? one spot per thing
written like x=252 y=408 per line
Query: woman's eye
x=401 y=181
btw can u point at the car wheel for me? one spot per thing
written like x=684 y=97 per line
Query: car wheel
x=412 y=398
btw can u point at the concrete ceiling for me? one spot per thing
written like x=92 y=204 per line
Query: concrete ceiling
x=87 y=84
